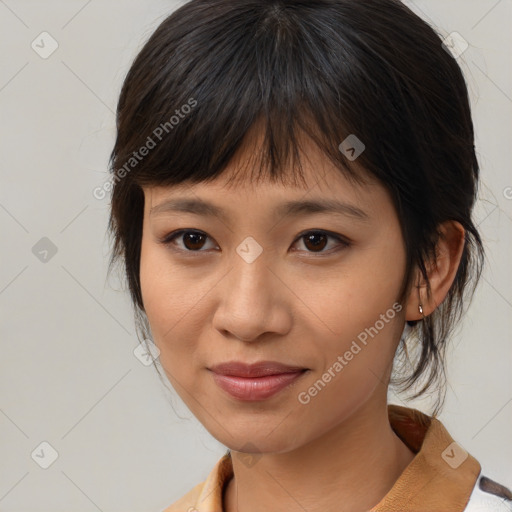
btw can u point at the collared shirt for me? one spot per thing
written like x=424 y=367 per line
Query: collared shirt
x=442 y=477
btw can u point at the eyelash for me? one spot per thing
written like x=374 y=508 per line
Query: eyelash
x=168 y=240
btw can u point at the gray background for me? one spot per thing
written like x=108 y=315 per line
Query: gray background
x=69 y=376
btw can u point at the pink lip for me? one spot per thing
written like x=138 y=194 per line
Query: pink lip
x=256 y=381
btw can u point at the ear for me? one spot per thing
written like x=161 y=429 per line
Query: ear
x=441 y=272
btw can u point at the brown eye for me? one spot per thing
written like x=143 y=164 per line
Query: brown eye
x=191 y=241
x=316 y=241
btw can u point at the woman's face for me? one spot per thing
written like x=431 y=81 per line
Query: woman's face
x=255 y=283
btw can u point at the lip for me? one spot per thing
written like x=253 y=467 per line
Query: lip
x=257 y=381
x=259 y=369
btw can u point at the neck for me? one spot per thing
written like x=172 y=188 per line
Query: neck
x=350 y=468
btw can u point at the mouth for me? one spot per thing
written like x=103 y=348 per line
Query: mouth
x=254 y=382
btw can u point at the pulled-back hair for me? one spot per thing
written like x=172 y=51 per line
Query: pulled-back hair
x=215 y=69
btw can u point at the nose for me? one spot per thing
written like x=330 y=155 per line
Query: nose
x=252 y=301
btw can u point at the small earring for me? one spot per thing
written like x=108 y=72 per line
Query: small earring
x=420 y=307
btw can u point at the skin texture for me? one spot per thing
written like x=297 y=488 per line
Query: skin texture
x=296 y=305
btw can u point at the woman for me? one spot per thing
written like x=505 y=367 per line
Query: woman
x=293 y=190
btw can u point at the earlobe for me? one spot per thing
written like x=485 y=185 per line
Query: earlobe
x=414 y=310
x=441 y=272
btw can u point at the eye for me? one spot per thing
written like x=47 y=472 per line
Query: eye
x=192 y=241
x=315 y=241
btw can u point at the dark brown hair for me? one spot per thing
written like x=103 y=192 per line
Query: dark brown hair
x=214 y=69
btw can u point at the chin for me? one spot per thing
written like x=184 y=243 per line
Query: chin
x=258 y=438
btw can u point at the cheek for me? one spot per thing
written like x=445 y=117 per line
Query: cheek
x=167 y=303
x=176 y=302
x=355 y=315
x=350 y=298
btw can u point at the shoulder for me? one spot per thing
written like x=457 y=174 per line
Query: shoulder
x=187 y=502
x=489 y=496
x=207 y=496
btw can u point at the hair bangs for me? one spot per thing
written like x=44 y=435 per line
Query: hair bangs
x=282 y=95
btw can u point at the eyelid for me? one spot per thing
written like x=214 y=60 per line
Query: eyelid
x=341 y=239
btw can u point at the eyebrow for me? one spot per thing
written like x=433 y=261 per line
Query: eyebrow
x=289 y=208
